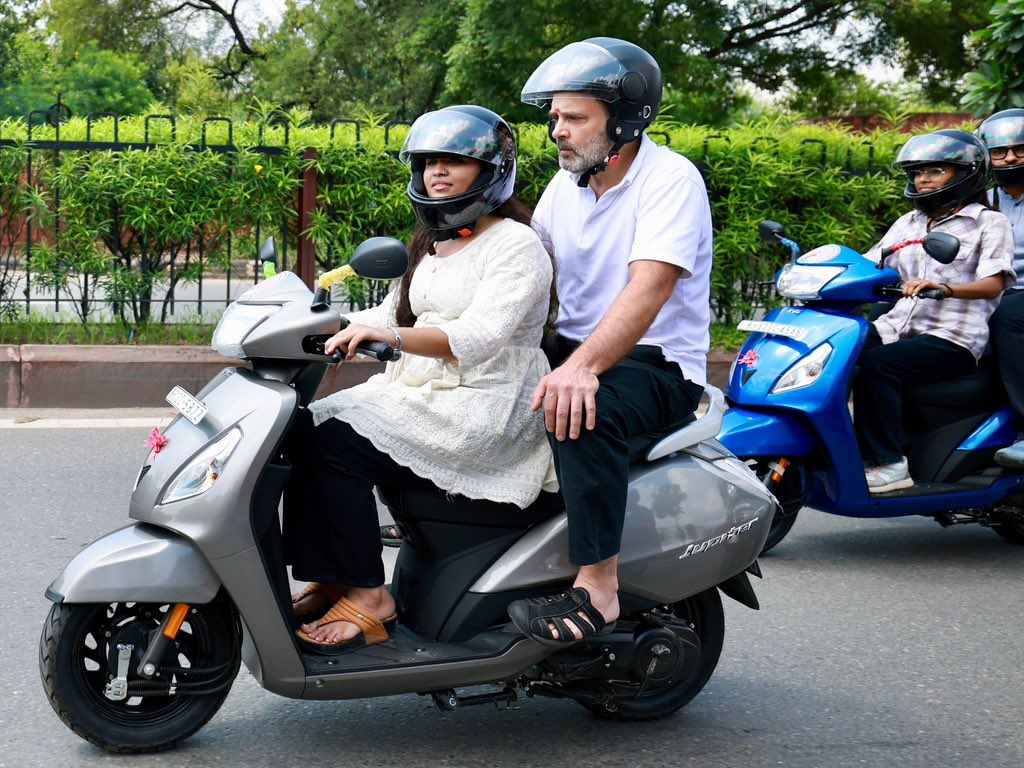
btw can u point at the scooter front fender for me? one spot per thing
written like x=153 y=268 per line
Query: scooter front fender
x=749 y=433
x=140 y=563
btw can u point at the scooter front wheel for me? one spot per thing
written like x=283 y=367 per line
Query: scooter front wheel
x=79 y=659
x=791 y=495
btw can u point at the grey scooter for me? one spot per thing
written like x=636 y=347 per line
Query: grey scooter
x=150 y=623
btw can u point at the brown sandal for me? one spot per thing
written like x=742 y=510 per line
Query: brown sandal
x=371 y=629
x=317 y=605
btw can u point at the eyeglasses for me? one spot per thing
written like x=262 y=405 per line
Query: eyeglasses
x=936 y=172
x=1000 y=153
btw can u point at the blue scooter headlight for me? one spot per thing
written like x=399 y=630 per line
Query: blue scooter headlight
x=805 y=371
x=802 y=281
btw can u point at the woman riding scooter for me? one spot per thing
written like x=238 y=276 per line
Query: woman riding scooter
x=947 y=173
x=454 y=410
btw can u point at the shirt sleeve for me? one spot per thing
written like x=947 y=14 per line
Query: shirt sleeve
x=381 y=316
x=517 y=276
x=673 y=221
x=995 y=244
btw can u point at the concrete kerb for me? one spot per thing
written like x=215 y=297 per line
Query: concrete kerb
x=125 y=376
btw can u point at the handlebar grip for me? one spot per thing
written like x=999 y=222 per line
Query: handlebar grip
x=378 y=350
x=932 y=293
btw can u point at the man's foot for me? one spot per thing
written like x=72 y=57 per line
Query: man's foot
x=889 y=477
x=1012 y=456
x=375 y=603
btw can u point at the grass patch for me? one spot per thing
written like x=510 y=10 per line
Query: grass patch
x=38 y=331
x=726 y=338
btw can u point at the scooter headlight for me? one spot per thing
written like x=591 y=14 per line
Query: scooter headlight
x=802 y=281
x=236 y=323
x=202 y=472
x=804 y=372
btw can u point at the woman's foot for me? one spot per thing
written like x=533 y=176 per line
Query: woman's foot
x=375 y=602
x=314 y=599
x=889 y=477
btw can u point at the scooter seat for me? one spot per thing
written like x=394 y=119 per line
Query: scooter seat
x=641 y=445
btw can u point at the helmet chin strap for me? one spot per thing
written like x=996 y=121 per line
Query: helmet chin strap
x=610 y=159
x=459 y=233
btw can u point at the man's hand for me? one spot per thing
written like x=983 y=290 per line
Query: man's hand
x=354 y=335
x=567 y=394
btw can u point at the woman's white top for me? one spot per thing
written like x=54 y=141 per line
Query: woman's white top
x=466 y=426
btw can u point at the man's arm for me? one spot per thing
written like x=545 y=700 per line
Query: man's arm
x=568 y=394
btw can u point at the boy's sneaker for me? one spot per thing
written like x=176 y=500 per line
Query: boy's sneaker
x=889 y=477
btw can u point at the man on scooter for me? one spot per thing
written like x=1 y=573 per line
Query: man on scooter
x=1003 y=134
x=629 y=225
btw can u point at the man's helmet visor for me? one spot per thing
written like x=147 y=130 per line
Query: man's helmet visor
x=580 y=67
x=451 y=132
x=937 y=148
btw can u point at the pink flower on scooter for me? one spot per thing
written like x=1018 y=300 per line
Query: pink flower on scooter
x=156 y=441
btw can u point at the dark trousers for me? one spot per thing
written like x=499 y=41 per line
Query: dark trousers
x=643 y=393
x=886 y=371
x=1007 y=326
x=331 y=528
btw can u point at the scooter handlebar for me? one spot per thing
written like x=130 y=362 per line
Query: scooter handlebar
x=896 y=291
x=378 y=350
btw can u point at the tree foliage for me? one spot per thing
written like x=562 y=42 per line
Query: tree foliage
x=998 y=82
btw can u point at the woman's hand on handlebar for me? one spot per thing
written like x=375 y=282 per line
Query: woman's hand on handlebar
x=914 y=287
x=348 y=339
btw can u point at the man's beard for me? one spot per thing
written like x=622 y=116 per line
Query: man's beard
x=585 y=156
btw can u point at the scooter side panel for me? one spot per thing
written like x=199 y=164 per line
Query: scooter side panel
x=758 y=433
x=998 y=431
x=690 y=524
x=138 y=563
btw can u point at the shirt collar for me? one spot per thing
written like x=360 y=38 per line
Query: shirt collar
x=1005 y=198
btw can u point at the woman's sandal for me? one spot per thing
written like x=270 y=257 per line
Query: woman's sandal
x=371 y=629
x=312 y=594
x=535 y=617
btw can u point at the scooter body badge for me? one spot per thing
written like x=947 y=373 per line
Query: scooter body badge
x=729 y=536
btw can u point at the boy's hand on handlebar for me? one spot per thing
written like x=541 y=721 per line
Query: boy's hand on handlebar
x=347 y=339
x=914 y=287
x=568 y=396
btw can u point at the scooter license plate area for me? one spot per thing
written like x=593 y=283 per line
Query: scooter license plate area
x=794 y=332
x=187 y=405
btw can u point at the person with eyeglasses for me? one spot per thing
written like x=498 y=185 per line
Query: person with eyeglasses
x=924 y=340
x=1003 y=134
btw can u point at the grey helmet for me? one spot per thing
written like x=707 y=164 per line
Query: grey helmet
x=964 y=151
x=465 y=131
x=622 y=75
x=1005 y=129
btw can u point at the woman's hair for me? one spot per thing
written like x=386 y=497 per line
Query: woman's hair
x=423 y=240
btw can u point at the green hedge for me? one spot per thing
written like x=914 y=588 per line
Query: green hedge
x=123 y=216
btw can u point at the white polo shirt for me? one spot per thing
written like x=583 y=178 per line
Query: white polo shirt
x=658 y=212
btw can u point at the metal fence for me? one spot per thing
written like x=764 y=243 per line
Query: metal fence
x=302 y=255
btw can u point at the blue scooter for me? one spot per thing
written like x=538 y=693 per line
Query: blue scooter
x=789 y=392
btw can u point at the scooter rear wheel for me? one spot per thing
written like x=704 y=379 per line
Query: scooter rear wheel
x=75 y=651
x=704 y=612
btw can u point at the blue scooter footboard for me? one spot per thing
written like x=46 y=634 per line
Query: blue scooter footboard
x=759 y=433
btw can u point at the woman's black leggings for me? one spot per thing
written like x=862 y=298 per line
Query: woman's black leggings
x=331 y=527
x=886 y=371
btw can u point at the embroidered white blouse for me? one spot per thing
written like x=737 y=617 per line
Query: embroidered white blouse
x=466 y=426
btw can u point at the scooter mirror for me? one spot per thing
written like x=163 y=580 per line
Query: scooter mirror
x=380 y=258
x=942 y=246
x=770 y=231
x=268 y=251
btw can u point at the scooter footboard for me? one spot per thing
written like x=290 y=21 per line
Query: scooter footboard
x=758 y=433
x=140 y=563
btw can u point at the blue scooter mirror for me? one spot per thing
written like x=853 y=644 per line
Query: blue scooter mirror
x=942 y=246
x=770 y=231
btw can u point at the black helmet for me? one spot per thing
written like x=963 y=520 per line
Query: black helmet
x=960 y=149
x=621 y=74
x=1004 y=129
x=465 y=131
